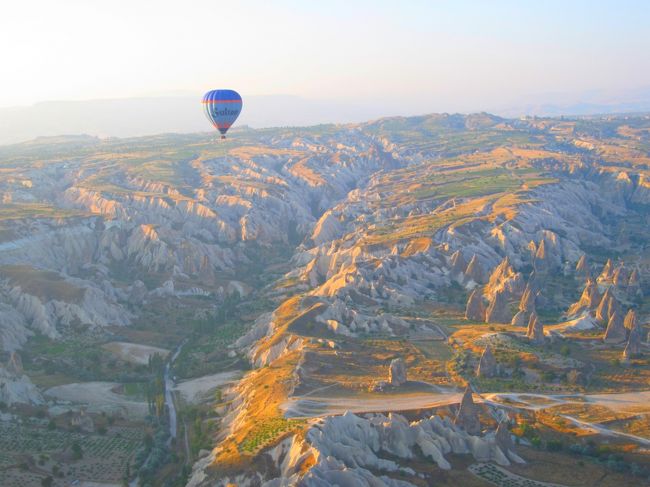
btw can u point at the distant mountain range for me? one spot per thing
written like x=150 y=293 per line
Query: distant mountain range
x=153 y=115
x=128 y=117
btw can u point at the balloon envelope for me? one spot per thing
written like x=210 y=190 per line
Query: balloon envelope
x=222 y=107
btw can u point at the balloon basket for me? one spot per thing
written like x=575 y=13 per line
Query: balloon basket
x=223 y=137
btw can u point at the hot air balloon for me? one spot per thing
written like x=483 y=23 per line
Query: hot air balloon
x=222 y=107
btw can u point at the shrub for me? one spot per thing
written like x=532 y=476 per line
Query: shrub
x=554 y=445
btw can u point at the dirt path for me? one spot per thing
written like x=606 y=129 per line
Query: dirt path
x=195 y=390
x=309 y=406
x=99 y=397
x=317 y=406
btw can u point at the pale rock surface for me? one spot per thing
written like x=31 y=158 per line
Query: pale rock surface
x=498 y=311
x=397 y=372
x=535 y=332
x=15 y=386
x=615 y=331
x=633 y=346
x=630 y=321
x=475 y=311
x=606 y=306
x=474 y=270
x=582 y=267
x=487 y=366
x=467 y=415
x=589 y=300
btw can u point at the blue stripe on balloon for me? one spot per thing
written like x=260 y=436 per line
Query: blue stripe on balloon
x=222 y=115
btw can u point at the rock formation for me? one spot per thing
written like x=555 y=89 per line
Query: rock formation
x=520 y=318
x=608 y=304
x=541 y=262
x=503 y=437
x=397 y=372
x=487 y=365
x=633 y=283
x=633 y=346
x=582 y=268
x=630 y=322
x=607 y=272
x=589 y=300
x=15 y=364
x=15 y=386
x=505 y=279
x=526 y=306
x=497 y=311
x=458 y=264
x=615 y=329
x=474 y=270
x=351 y=450
x=535 y=332
x=527 y=302
x=467 y=416
x=620 y=277
x=475 y=311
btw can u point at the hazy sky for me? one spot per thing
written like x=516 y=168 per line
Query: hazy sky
x=468 y=54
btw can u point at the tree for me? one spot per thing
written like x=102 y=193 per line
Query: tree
x=77 y=451
x=127 y=475
x=47 y=481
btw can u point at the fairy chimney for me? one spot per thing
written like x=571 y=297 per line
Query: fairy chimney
x=520 y=319
x=541 y=262
x=487 y=366
x=630 y=320
x=458 y=263
x=15 y=364
x=633 y=346
x=582 y=269
x=535 y=332
x=615 y=331
x=474 y=270
x=602 y=311
x=607 y=272
x=397 y=372
x=475 y=311
x=620 y=277
x=467 y=416
x=497 y=311
x=589 y=299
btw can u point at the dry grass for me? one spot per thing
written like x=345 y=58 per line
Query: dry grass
x=46 y=285
x=260 y=421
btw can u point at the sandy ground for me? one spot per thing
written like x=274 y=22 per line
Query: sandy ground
x=633 y=402
x=134 y=353
x=310 y=406
x=313 y=406
x=630 y=402
x=98 y=397
x=201 y=388
x=316 y=406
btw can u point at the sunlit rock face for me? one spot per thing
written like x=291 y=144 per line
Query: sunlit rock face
x=487 y=366
x=368 y=449
x=397 y=372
